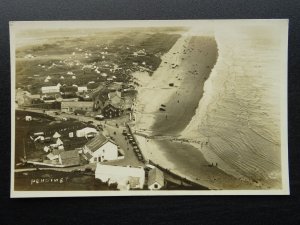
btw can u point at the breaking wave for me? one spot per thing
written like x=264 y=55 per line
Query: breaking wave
x=239 y=113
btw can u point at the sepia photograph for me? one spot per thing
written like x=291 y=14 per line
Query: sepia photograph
x=149 y=107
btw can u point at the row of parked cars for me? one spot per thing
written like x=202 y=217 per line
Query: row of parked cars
x=135 y=147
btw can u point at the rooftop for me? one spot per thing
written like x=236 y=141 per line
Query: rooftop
x=120 y=170
x=156 y=175
x=77 y=104
x=96 y=142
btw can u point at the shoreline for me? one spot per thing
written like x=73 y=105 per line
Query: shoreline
x=190 y=76
x=176 y=86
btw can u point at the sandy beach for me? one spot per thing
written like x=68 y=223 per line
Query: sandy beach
x=187 y=161
x=187 y=65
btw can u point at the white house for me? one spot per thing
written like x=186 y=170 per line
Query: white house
x=87 y=132
x=100 y=149
x=126 y=177
x=28 y=118
x=50 y=89
x=155 y=179
x=82 y=89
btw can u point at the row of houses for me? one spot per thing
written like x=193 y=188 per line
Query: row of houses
x=109 y=104
x=97 y=150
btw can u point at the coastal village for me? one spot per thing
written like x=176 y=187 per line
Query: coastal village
x=75 y=124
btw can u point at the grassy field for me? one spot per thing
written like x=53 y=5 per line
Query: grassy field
x=48 y=125
x=51 y=180
x=90 y=56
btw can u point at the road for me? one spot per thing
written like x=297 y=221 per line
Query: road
x=109 y=130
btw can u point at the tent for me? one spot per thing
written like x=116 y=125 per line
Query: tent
x=46 y=149
x=56 y=135
x=28 y=118
x=59 y=142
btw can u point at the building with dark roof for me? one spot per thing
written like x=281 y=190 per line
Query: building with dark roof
x=110 y=110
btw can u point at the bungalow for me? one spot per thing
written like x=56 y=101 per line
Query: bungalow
x=100 y=149
x=82 y=89
x=87 y=132
x=126 y=177
x=50 y=89
x=155 y=179
x=73 y=106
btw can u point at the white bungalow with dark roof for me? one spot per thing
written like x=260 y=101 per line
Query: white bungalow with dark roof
x=100 y=149
x=155 y=179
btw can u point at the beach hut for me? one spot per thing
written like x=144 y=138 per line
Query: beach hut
x=56 y=135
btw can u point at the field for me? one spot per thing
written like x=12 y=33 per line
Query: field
x=48 y=125
x=100 y=56
x=51 y=180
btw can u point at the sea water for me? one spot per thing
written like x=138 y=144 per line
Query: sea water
x=240 y=112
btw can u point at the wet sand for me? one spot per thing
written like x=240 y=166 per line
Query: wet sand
x=187 y=161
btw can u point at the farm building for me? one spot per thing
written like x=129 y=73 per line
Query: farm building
x=72 y=106
x=111 y=111
x=100 y=149
x=155 y=179
x=69 y=158
x=125 y=177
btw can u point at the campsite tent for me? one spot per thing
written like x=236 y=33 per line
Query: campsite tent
x=59 y=142
x=56 y=135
